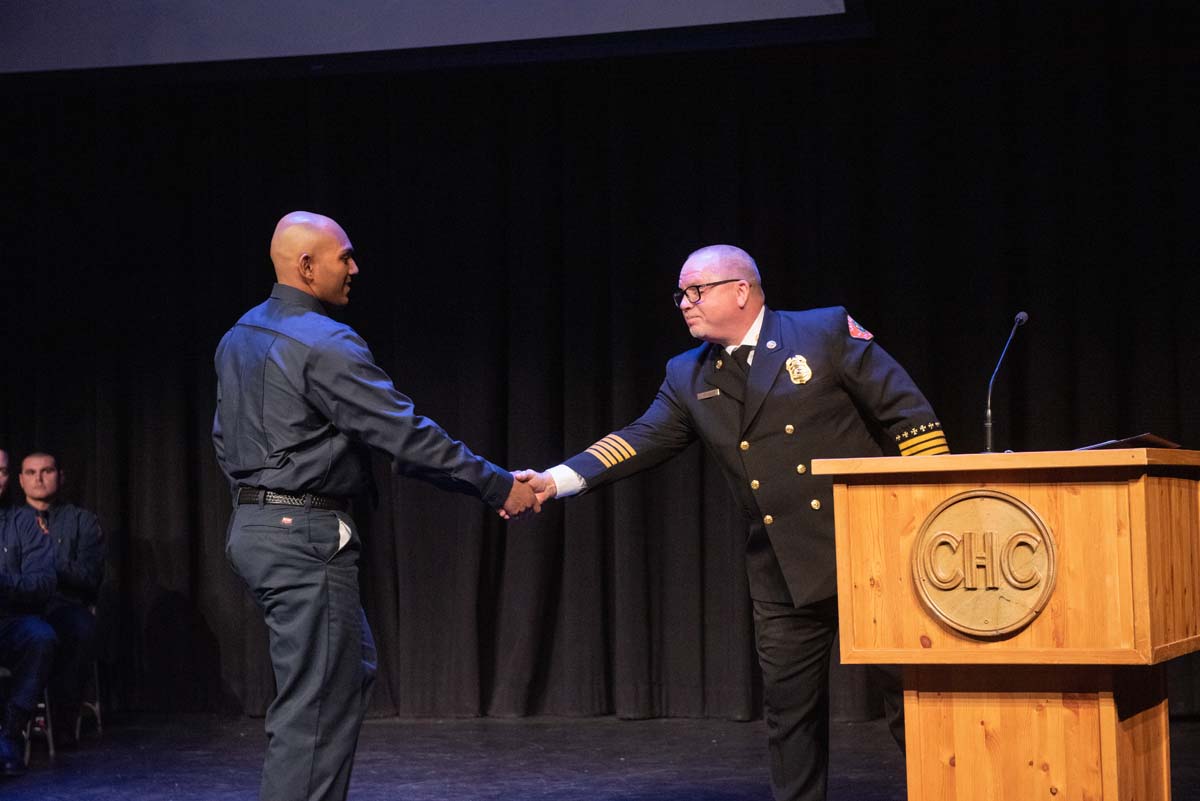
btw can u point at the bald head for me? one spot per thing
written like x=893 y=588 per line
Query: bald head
x=731 y=294
x=312 y=253
x=298 y=233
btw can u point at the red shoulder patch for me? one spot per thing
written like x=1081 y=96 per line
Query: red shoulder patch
x=857 y=331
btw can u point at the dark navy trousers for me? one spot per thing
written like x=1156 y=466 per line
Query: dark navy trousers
x=75 y=626
x=302 y=566
x=794 y=647
x=27 y=650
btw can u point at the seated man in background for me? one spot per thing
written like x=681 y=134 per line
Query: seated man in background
x=26 y=641
x=78 y=546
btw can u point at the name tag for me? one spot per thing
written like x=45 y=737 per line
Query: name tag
x=711 y=393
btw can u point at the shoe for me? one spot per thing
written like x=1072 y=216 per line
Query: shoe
x=12 y=741
x=12 y=756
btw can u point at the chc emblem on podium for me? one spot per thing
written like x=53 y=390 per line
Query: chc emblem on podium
x=984 y=563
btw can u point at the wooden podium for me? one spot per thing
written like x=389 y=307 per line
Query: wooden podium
x=1033 y=598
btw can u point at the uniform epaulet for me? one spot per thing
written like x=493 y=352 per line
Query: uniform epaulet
x=612 y=450
x=924 y=440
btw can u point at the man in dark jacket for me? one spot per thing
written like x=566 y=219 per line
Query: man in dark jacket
x=26 y=640
x=769 y=392
x=78 y=543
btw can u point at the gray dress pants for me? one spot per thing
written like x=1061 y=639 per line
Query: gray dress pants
x=302 y=566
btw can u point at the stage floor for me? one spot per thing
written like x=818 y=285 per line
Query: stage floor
x=207 y=758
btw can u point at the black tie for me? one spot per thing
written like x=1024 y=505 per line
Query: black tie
x=741 y=355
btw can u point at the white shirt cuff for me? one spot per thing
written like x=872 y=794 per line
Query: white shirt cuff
x=567 y=481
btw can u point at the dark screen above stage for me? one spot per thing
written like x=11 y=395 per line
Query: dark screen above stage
x=60 y=35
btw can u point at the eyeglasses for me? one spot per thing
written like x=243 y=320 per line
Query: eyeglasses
x=693 y=292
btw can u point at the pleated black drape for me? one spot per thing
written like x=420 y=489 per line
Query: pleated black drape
x=520 y=228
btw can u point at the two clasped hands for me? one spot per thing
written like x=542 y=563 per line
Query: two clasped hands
x=529 y=491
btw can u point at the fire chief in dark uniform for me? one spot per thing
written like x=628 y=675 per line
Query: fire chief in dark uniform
x=299 y=402
x=769 y=392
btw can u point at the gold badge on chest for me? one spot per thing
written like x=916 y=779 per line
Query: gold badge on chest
x=798 y=369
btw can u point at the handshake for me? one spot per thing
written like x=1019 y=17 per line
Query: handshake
x=530 y=490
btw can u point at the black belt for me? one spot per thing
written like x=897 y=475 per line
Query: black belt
x=255 y=495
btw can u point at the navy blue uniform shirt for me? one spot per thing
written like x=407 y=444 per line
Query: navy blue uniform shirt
x=299 y=397
x=26 y=564
x=78 y=543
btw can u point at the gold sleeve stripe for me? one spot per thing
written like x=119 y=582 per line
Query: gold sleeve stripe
x=600 y=456
x=917 y=440
x=608 y=450
x=913 y=448
x=928 y=444
x=612 y=450
x=622 y=445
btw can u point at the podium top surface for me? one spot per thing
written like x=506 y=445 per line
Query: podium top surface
x=991 y=462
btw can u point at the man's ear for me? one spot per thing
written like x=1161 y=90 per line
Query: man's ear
x=743 y=294
x=304 y=267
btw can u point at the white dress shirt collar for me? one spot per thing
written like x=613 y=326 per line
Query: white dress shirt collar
x=751 y=337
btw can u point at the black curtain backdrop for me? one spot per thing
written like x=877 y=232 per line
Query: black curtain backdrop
x=519 y=228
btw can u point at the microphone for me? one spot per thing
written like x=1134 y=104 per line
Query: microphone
x=1018 y=321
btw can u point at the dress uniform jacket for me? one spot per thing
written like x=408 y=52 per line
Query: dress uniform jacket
x=819 y=387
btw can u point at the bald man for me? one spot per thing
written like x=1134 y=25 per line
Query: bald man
x=300 y=401
x=767 y=393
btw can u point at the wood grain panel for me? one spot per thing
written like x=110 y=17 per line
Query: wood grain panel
x=1016 y=734
x=1136 y=713
x=1173 y=564
x=1186 y=461
x=1089 y=617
